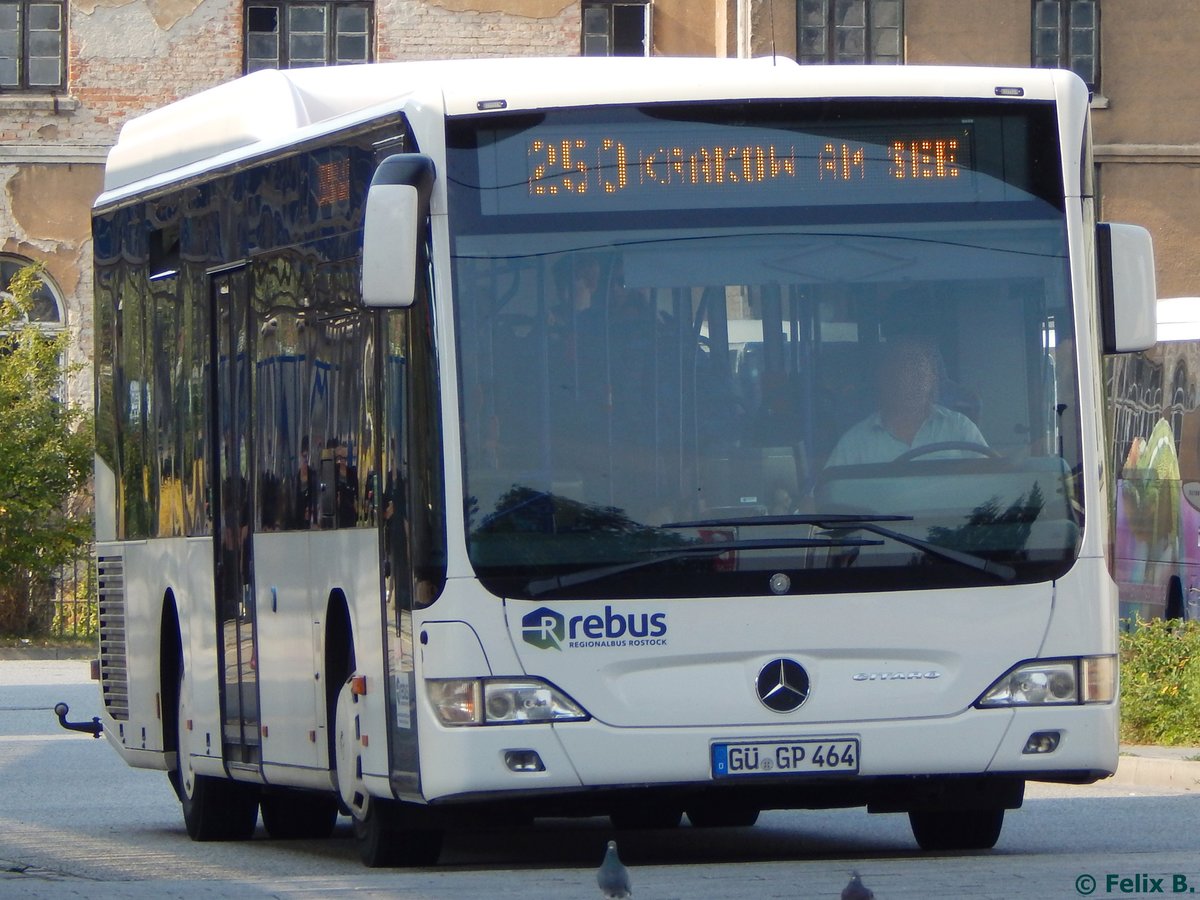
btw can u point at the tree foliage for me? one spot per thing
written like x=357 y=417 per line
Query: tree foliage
x=45 y=462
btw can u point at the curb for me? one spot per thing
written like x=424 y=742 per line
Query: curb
x=1148 y=771
x=51 y=653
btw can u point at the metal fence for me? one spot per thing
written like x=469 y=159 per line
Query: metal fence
x=73 y=612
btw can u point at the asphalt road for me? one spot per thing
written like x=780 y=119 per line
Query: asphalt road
x=76 y=822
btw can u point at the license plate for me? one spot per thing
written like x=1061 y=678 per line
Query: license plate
x=799 y=757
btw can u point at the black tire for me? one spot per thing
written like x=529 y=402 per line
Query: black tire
x=387 y=833
x=214 y=809
x=721 y=815
x=298 y=815
x=384 y=842
x=1174 y=606
x=969 y=829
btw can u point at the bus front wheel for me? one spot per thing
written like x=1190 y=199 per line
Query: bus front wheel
x=958 y=829
x=214 y=809
x=385 y=835
x=385 y=840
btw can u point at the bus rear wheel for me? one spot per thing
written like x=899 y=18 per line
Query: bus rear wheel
x=214 y=809
x=958 y=829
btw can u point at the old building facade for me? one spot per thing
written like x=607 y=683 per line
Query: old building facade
x=71 y=71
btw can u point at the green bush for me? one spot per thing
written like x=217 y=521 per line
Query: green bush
x=1160 y=683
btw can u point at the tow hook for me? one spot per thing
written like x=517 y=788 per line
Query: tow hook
x=94 y=727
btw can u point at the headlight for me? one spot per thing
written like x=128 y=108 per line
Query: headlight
x=500 y=701
x=1055 y=682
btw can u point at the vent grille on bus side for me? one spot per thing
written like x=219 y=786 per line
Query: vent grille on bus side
x=114 y=668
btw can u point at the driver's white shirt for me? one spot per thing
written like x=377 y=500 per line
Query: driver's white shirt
x=870 y=442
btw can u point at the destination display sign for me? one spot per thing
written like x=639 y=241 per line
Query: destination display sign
x=687 y=165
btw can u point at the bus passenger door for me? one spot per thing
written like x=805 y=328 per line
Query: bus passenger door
x=234 y=516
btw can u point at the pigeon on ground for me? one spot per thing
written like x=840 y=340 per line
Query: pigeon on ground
x=613 y=877
x=856 y=890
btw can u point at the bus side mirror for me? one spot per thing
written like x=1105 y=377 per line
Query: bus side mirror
x=397 y=208
x=1128 y=295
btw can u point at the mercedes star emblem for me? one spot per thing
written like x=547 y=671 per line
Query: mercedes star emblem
x=782 y=685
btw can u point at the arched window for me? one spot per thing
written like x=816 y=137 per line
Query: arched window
x=47 y=311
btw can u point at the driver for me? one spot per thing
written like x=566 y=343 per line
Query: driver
x=907 y=417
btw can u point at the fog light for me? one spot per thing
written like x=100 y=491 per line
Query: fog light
x=523 y=761
x=1042 y=742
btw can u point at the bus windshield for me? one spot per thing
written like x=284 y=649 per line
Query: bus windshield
x=788 y=347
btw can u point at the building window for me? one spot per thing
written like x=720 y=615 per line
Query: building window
x=45 y=313
x=47 y=309
x=33 y=45
x=849 y=31
x=1066 y=35
x=616 y=29
x=294 y=35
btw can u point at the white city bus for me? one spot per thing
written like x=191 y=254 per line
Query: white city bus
x=463 y=433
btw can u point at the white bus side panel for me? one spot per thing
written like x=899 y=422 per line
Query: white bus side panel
x=305 y=570
x=289 y=670
x=181 y=568
x=345 y=561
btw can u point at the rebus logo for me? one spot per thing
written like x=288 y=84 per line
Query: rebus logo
x=544 y=628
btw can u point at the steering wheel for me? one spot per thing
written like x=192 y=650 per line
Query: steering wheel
x=943 y=446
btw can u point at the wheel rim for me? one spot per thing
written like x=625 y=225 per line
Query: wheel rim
x=348 y=755
x=183 y=761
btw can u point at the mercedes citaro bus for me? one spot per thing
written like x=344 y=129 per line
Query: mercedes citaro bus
x=464 y=436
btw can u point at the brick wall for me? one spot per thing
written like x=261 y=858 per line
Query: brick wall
x=416 y=30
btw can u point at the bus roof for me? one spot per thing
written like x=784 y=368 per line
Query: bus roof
x=1179 y=319
x=271 y=109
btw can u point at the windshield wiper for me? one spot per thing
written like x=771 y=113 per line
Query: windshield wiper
x=970 y=560
x=540 y=586
x=851 y=522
